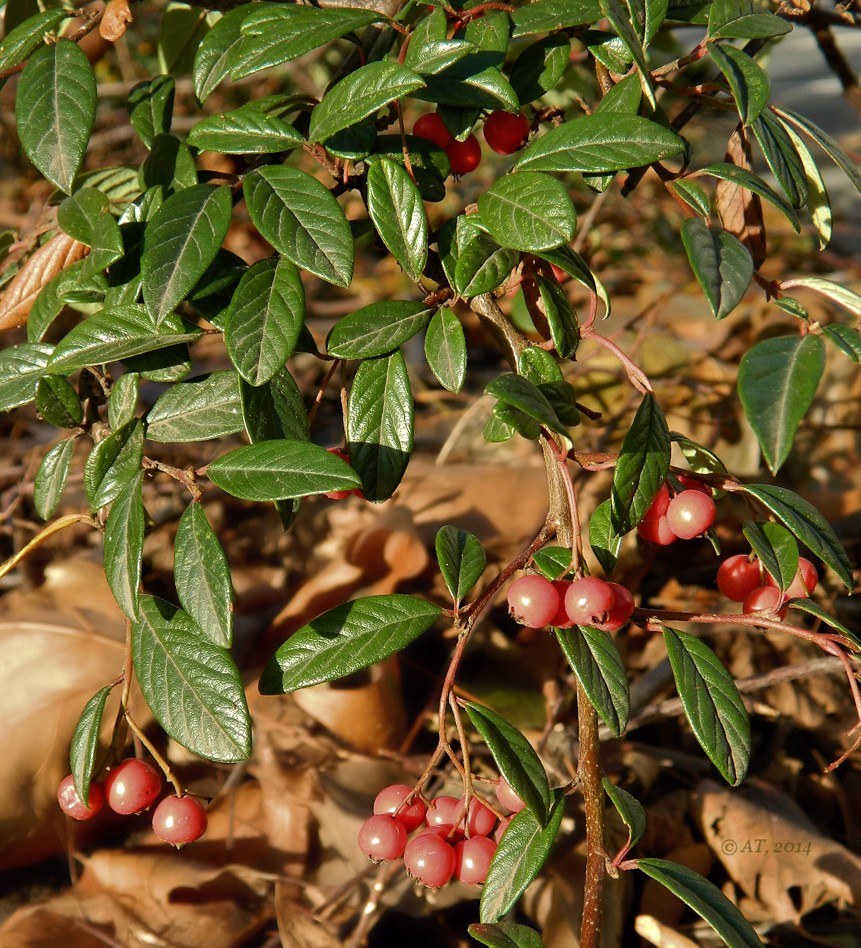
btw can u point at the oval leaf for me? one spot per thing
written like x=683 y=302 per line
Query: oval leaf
x=721 y=263
x=528 y=212
x=204 y=408
x=51 y=478
x=630 y=809
x=600 y=670
x=377 y=329
x=505 y=935
x=748 y=82
x=397 y=210
x=461 y=559
x=445 y=349
x=112 y=463
x=244 y=132
x=123 y=547
x=776 y=548
x=85 y=742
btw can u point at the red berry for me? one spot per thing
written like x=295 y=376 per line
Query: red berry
x=690 y=513
x=72 y=805
x=389 y=800
x=804 y=582
x=620 y=611
x=506 y=132
x=338 y=494
x=432 y=128
x=691 y=483
x=503 y=826
x=659 y=504
x=507 y=797
x=588 y=600
x=657 y=531
x=179 y=820
x=472 y=859
x=561 y=620
x=132 y=786
x=464 y=156
x=430 y=859
x=559 y=273
x=533 y=601
x=445 y=811
x=382 y=838
x=764 y=599
x=737 y=577
x=481 y=818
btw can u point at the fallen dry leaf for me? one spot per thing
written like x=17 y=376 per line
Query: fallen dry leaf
x=117 y=14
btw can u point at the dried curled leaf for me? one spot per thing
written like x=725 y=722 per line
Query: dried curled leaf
x=740 y=210
x=117 y=15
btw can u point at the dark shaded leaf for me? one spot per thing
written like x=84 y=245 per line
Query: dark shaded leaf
x=546 y=16
x=461 y=559
x=85 y=742
x=58 y=402
x=776 y=548
x=150 y=106
x=630 y=809
x=112 y=463
x=746 y=179
x=603 y=539
x=505 y=935
x=721 y=264
x=600 y=670
x=748 y=81
x=123 y=548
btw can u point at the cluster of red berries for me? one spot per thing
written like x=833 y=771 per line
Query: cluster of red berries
x=504 y=132
x=132 y=786
x=537 y=602
x=743 y=580
x=450 y=842
x=681 y=517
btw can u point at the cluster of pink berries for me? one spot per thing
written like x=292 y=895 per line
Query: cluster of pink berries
x=130 y=787
x=450 y=842
x=504 y=132
x=681 y=517
x=743 y=580
x=537 y=602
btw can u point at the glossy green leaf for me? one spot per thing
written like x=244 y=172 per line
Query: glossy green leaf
x=123 y=547
x=21 y=367
x=211 y=61
x=266 y=315
x=380 y=418
x=837 y=292
x=818 y=202
x=812 y=607
x=123 y=400
x=180 y=242
x=84 y=747
x=481 y=264
x=600 y=143
x=705 y=899
x=515 y=759
x=644 y=461
x=244 y=132
x=396 y=208
x=150 y=106
x=546 y=16
x=505 y=935
x=807 y=524
x=52 y=299
x=197 y=410
x=346 y=639
x=539 y=67
x=782 y=158
x=825 y=142
x=745 y=25
x=377 y=329
x=747 y=179
x=274 y=410
x=777 y=379
x=776 y=548
x=528 y=212
x=622 y=17
x=701 y=459
x=470 y=84
x=112 y=463
x=560 y=316
x=445 y=349
x=847 y=340
x=51 y=478
x=630 y=809
x=281 y=469
x=604 y=540
x=25 y=38
x=58 y=402
x=748 y=81
x=538 y=366
x=712 y=704
x=169 y=167
x=202 y=576
x=518 y=859
x=461 y=559
x=600 y=670
x=302 y=220
x=182 y=29
x=516 y=391
x=575 y=266
x=192 y=686
x=553 y=562
x=55 y=108
x=693 y=195
x=721 y=263
x=432 y=56
x=429 y=163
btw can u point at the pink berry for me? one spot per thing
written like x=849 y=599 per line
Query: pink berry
x=429 y=859
x=445 y=811
x=72 y=805
x=179 y=820
x=561 y=620
x=620 y=611
x=500 y=830
x=588 y=600
x=690 y=513
x=472 y=859
x=390 y=799
x=533 y=601
x=764 y=599
x=507 y=797
x=691 y=483
x=737 y=577
x=481 y=818
x=659 y=504
x=132 y=786
x=803 y=583
x=464 y=156
x=656 y=531
x=506 y=132
x=382 y=838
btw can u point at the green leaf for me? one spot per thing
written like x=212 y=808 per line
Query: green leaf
x=736 y=19
x=346 y=639
x=112 y=463
x=180 y=242
x=782 y=158
x=539 y=67
x=86 y=217
x=818 y=202
x=813 y=608
x=359 y=94
x=518 y=859
x=58 y=402
x=123 y=400
x=748 y=81
x=705 y=899
x=117 y=333
x=516 y=391
x=553 y=562
x=211 y=61
x=747 y=179
x=55 y=108
x=528 y=212
x=807 y=524
x=380 y=417
x=481 y=265
x=123 y=547
x=505 y=935
x=777 y=380
x=181 y=31
x=776 y=548
x=630 y=809
x=377 y=329
x=25 y=38
x=429 y=163
x=834 y=291
x=560 y=316
x=600 y=670
x=644 y=461
x=51 y=478
x=470 y=84
x=825 y=142
x=21 y=367
x=461 y=559
x=693 y=195
x=600 y=143
x=85 y=742
x=622 y=18
x=538 y=366
x=244 y=132
x=192 y=686
x=266 y=315
x=603 y=539
x=396 y=208
x=203 y=408
x=281 y=469
x=445 y=349
x=515 y=759
x=274 y=410
x=550 y=15
x=150 y=106
x=203 y=576
x=847 y=339
x=712 y=704
x=302 y=220
x=169 y=166
x=721 y=263
x=277 y=33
